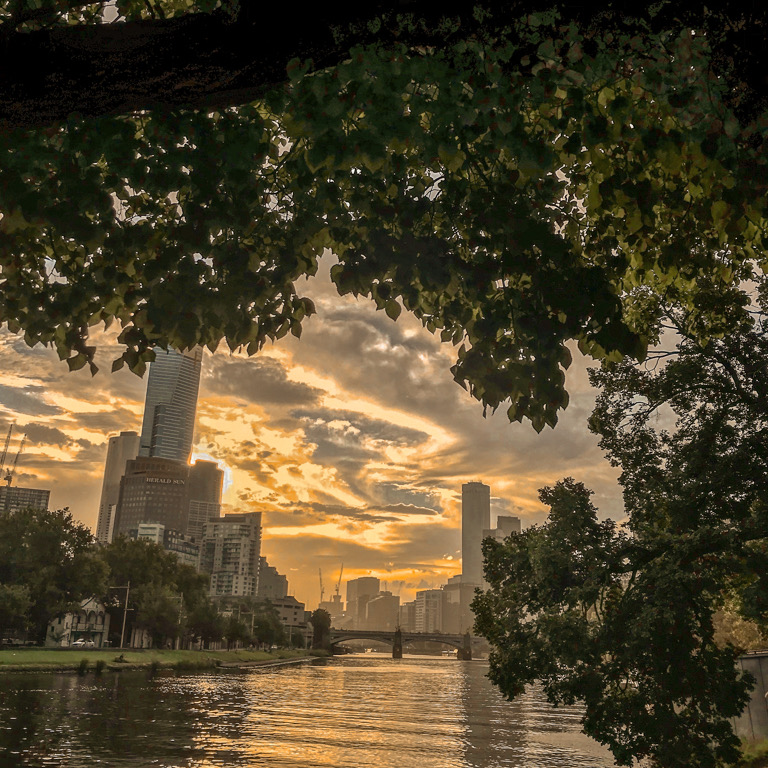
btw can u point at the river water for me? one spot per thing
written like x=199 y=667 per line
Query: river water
x=365 y=711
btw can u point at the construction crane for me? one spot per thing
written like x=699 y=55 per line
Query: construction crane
x=5 y=448
x=322 y=591
x=338 y=583
x=10 y=473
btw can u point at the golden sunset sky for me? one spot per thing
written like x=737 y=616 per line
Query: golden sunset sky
x=353 y=441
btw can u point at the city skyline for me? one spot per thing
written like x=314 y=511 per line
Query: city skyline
x=354 y=441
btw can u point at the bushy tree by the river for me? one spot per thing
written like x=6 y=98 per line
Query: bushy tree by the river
x=506 y=172
x=47 y=566
x=321 y=629
x=624 y=619
x=164 y=592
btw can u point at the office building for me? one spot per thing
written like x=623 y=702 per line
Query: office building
x=408 y=616
x=475 y=520
x=506 y=525
x=204 y=492
x=186 y=550
x=152 y=490
x=457 y=614
x=429 y=611
x=382 y=612
x=230 y=552
x=272 y=585
x=179 y=496
x=14 y=498
x=120 y=449
x=170 y=405
x=359 y=592
x=291 y=612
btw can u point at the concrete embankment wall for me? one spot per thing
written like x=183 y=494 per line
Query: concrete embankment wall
x=753 y=722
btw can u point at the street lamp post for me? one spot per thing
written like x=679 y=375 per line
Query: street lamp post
x=127 y=589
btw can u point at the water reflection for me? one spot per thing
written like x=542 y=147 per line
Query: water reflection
x=357 y=712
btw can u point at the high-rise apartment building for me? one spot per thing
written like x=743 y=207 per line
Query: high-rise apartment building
x=120 y=449
x=230 y=552
x=171 y=402
x=475 y=519
x=14 y=498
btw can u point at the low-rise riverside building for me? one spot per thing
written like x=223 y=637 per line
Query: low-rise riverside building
x=89 y=624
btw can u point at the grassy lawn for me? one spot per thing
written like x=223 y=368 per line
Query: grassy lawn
x=21 y=659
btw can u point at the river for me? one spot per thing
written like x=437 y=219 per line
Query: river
x=365 y=711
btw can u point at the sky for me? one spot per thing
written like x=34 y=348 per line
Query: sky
x=353 y=442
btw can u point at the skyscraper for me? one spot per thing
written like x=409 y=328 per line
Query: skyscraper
x=204 y=493
x=153 y=490
x=170 y=405
x=121 y=448
x=475 y=519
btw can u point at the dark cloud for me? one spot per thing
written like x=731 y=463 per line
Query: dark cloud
x=110 y=422
x=255 y=380
x=43 y=435
x=27 y=400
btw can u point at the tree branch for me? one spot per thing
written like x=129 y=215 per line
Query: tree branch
x=210 y=61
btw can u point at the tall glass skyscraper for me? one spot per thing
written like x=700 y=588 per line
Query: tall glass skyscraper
x=169 y=409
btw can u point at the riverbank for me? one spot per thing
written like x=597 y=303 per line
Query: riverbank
x=114 y=659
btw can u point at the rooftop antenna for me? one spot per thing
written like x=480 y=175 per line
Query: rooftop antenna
x=5 y=448
x=10 y=473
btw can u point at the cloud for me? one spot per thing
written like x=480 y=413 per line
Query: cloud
x=258 y=379
x=357 y=429
x=27 y=400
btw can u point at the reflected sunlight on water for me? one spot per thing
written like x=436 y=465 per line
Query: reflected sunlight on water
x=353 y=712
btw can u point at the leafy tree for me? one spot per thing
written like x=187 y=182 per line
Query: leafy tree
x=267 y=627
x=235 y=631
x=321 y=629
x=162 y=587
x=48 y=556
x=629 y=620
x=15 y=603
x=506 y=173
x=158 y=613
x=204 y=623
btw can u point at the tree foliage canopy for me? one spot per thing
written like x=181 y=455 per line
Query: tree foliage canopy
x=509 y=174
x=624 y=619
x=47 y=566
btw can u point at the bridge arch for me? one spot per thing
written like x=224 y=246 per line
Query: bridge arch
x=398 y=638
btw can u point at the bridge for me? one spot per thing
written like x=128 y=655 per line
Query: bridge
x=397 y=637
